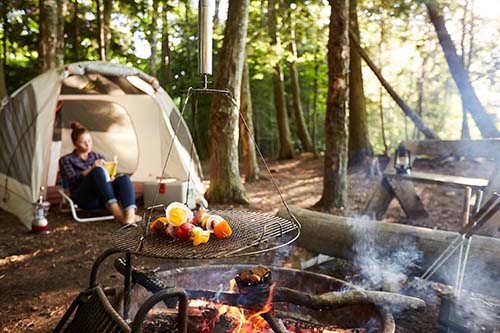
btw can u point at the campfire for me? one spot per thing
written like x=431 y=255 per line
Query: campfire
x=259 y=299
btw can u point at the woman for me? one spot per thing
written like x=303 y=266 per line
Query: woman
x=89 y=183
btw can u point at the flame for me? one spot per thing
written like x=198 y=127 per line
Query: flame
x=247 y=321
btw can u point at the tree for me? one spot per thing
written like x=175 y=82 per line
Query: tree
x=469 y=98
x=302 y=130
x=359 y=142
x=100 y=31
x=106 y=26
x=153 y=38
x=334 y=194
x=250 y=165
x=225 y=183
x=3 y=87
x=76 y=32
x=165 y=75
x=49 y=36
x=286 y=147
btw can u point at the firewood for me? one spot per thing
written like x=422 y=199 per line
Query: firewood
x=337 y=299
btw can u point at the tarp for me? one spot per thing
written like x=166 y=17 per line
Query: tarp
x=128 y=114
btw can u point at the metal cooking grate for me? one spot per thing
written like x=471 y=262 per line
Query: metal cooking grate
x=250 y=229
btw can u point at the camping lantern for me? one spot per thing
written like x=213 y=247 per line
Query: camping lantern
x=40 y=224
x=402 y=160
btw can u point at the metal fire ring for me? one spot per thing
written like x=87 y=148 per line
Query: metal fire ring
x=251 y=233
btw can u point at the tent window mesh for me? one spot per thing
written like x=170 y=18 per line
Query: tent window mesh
x=17 y=135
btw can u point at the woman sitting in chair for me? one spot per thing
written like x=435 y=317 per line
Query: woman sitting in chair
x=89 y=182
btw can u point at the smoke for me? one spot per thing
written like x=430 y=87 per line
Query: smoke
x=384 y=264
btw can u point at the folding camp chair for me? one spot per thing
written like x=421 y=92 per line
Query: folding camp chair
x=91 y=311
x=73 y=207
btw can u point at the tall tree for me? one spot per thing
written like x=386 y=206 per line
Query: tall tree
x=3 y=87
x=153 y=38
x=76 y=31
x=302 y=130
x=225 y=182
x=359 y=142
x=466 y=57
x=250 y=165
x=334 y=194
x=106 y=26
x=285 y=138
x=482 y=119
x=165 y=76
x=100 y=31
x=49 y=35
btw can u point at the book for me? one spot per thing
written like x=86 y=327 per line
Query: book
x=111 y=168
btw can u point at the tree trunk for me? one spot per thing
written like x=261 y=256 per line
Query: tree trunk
x=483 y=120
x=314 y=115
x=100 y=32
x=49 y=35
x=302 y=131
x=216 y=14
x=153 y=38
x=5 y=26
x=359 y=143
x=165 y=71
x=334 y=194
x=225 y=182
x=3 y=87
x=61 y=10
x=76 y=31
x=106 y=27
x=286 y=146
x=429 y=133
x=250 y=165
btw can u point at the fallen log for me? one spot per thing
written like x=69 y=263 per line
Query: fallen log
x=339 y=237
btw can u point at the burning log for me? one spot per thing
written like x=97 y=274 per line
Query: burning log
x=336 y=299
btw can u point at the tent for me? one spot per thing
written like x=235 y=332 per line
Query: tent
x=128 y=114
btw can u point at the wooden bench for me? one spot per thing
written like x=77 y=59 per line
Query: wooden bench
x=401 y=186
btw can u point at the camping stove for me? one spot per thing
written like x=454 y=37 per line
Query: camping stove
x=246 y=298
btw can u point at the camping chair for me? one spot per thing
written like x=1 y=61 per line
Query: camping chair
x=91 y=311
x=74 y=207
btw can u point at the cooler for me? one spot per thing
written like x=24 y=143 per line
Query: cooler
x=170 y=190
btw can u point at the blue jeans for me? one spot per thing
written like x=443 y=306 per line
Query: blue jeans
x=95 y=192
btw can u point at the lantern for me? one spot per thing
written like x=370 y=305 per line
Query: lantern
x=402 y=160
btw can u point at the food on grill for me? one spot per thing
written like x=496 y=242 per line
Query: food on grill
x=218 y=226
x=180 y=223
x=199 y=236
x=178 y=214
x=184 y=231
x=201 y=218
x=213 y=223
x=158 y=226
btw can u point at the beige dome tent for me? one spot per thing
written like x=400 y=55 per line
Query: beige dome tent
x=128 y=114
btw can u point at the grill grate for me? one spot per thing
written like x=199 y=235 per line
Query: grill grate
x=251 y=233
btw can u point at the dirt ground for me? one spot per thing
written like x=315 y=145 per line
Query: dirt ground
x=41 y=274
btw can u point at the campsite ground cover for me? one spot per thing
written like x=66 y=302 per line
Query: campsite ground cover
x=41 y=274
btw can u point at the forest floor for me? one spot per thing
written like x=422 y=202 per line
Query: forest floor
x=41 y=274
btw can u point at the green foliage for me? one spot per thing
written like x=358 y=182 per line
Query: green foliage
x=396 y=33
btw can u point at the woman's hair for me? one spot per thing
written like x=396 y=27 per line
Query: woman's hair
x=77 y=130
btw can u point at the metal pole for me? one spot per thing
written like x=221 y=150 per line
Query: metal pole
x=205 y=29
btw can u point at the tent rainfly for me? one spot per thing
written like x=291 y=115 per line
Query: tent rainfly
x=128 y=114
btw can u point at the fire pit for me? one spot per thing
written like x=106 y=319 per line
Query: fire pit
x=299 y=301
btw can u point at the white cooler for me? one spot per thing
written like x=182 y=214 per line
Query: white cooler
x=170 y=190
